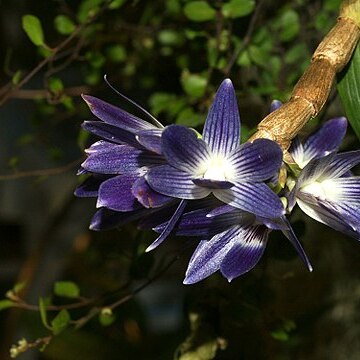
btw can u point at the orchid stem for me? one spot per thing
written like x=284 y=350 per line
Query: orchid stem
x=313 y=88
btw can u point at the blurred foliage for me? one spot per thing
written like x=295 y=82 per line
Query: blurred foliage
x=169 y=55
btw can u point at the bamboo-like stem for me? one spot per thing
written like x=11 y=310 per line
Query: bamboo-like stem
x=313 y=88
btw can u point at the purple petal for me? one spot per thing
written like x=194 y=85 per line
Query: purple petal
x=222 y=126
x=116 y=194
x=169 y=227
x=257 y=161
x=315 y=170
x=115 y=116
x=248 y=248
x=209 y=255
x=326 y=140
x=344 y=190
x=274 y=224
x=275 y=104
x=150 y=139
x=341 y=163
x=197 y=223
x=100 y=145
x=146 y=196
x=81 y=171
x=172 y=182
x=213 y=184
x=182 y=148
x=224 y=209
x=111 y=133
x=322 y=212
x=256 y=198
x=289 y=233
x=297 y=152
x=120 y=159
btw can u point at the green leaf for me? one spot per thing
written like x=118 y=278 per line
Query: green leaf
x=193 y=84
x=16 y=77
x=116 y=53
x=66 y=289
x=55 y=85
x=280 y=335
x=64 y=25
x=43 y=312
x=288 y=25
x=170 y=37
x=96 y=59
x=60 y=322
x=32 y=26
x=349 y=90
x=199 y=11
x=116 y=4
x=87 y=9
x=4 y=304
x=188 y=117
x=238 y=8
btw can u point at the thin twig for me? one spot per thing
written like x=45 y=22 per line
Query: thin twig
x=55 y=51
x=246 y=40
x=96 y=310
x=30 y=94
x=42 y=172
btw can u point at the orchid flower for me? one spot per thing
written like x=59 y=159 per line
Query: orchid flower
x=233 y=241
x=325 y=189
x=119 y=162
x=217 y=164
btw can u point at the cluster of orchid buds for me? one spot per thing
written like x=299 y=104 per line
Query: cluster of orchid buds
x=210 y=187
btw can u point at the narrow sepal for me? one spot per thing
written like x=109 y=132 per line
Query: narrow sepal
x=115 y=116
x=289 y=233
x=110 y=133
x=222 y=126
x=169 y=227
x=197 y=223
x=118 y=159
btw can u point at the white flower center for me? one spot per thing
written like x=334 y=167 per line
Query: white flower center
x=217 y=168
x=324 y=190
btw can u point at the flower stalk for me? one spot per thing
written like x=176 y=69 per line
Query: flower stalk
x=313 y=88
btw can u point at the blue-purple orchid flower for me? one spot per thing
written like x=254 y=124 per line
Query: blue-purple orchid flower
x=233 y=241
x=211 y=187
x=325 y=188
x=118 y=163
x=217 y=164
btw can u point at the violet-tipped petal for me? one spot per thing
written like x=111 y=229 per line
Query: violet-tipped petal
x=115 y=194
x=222 y=126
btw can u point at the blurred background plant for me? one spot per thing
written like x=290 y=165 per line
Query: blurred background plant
x=86 y=295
